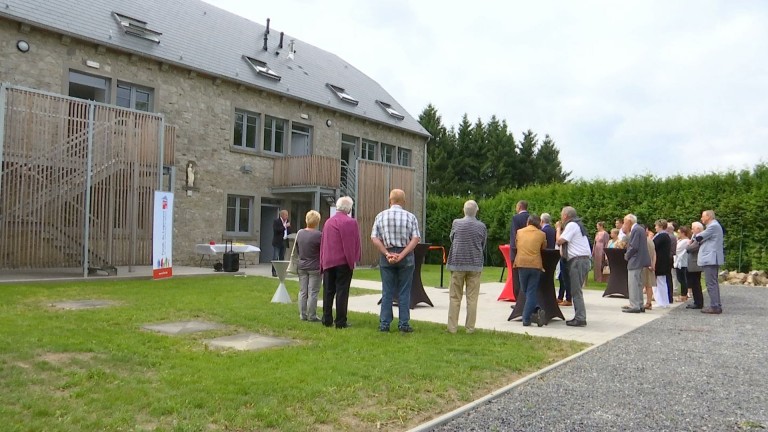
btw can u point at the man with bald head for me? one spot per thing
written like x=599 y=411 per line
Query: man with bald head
x=711 y=257
x=395 y=234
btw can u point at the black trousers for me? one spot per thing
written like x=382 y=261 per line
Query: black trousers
x=681 y=277
x=694 y=281
x=336 y=282
x=670 y=287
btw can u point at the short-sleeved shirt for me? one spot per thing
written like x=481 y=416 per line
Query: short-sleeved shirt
x=578 y=244
x=395 y=227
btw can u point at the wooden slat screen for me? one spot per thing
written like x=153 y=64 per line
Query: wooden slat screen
x=311 y=170
x=44 y=178
x=375 y=181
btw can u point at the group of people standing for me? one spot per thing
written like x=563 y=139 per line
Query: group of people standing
x=693 y=251
x=331 y=255
x=651 y=257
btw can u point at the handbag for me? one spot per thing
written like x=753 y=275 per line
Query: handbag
x=293 y=265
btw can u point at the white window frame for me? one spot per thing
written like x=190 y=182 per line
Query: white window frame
x=390 y=158
x=391 y=111
x=136 y=27
x=261 y=68
x=400 y=152
x=365 y=150
x=342 y=94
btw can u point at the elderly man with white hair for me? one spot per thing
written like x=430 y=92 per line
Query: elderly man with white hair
x=465 y=262
x=549 y=231
x=339 y=251
x=711 y=257
x=638 y=257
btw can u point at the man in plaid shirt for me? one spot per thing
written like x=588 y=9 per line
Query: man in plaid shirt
x=395 y=234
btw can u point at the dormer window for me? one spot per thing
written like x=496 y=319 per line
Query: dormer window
x=136 y=27
x=391 y=111
x=261 y=68
x=342 y=94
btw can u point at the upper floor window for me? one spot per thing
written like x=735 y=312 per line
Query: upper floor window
x=368 y=149
x=391 y=111
x=343 y=95
x=91 y=87
x=137 y=27
x=301 y=139
x=403 y=157
x=239 y=214
x=134 y=97
x=387 y=153
x=261 y=68
x=246 y=134
x=274 y=134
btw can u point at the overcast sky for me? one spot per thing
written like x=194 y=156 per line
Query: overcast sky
x=623 y=87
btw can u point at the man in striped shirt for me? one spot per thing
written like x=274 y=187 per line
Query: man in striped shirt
x=465 y=262
x=395 y=234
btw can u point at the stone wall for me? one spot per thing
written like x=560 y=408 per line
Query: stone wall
x=203 y=108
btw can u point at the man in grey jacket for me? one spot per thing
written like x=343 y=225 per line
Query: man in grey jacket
x=465 y=262
x=638 y=258
x=711 y=257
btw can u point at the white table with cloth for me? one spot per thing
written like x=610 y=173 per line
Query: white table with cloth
x=208 y=250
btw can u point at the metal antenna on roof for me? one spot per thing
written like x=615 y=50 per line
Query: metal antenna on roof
x=280 y=45
x=266 y=35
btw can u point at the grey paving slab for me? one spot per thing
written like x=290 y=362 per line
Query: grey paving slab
x=83 y=304
x=182 y=327
x=247 y=342
x=685 y=371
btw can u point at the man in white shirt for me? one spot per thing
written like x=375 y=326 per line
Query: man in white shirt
x=620 y=226
x=574 y=246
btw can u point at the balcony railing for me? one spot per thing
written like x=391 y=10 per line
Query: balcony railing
x=309 y=170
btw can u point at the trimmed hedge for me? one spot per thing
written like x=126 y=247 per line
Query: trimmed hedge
x=739 y=199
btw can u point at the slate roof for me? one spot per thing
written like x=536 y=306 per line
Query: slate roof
x=202 y=37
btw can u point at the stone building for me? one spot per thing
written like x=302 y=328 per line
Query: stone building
x=249 y=120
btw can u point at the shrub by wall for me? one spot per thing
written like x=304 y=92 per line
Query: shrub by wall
x=739 y=199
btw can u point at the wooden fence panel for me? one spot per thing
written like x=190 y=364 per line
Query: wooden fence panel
x=44 y=181
x=375 y=181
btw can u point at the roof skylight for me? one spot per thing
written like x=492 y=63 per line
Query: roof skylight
x=136 y=27
x=261 y=68
x=391 y=111
x=342 y=94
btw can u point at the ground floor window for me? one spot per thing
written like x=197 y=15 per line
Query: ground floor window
x=239 y=214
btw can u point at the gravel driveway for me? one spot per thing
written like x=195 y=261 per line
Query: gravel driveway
x=686 y=371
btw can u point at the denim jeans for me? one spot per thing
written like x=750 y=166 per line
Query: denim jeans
x=396 y=279
x=529 y=283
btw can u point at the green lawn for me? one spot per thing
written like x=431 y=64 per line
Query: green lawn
x=96 y=369
x=430 y=276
